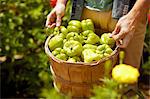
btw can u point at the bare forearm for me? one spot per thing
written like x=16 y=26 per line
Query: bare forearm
x=62 y=1
x=140 y=9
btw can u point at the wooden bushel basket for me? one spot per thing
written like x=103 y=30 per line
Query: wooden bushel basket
x=77 y=79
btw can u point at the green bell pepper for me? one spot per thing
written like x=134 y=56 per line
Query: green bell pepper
x=63 y=30
x=64 y=41
x=73 y=29
x=49 y=31
x=73 y=48
x=55 y=42
x=75 y=23
x=105 y=39
x=75 y=36
x=74 y=59
x=90 y=55
x=74 y=26
x=71 y=60
x=90 y=37
x=56 y=31
x=87 y=25
x=58 y=51
x=89 y=46
x=60 y=54
x=60 y=30
x=104 y=50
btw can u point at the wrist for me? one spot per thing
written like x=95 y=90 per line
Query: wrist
x=63 y=2
x=60 y=6
x=134 y=15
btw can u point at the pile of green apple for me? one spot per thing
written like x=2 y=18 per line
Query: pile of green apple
x=78 y=43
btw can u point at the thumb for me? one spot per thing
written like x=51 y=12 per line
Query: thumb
x=58 y=20
x=116 y=30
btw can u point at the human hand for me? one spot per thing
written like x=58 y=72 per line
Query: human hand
x=124 y=30
x=54 y=17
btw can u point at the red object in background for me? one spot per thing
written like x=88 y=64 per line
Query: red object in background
x=149 y=18
x=53 y=3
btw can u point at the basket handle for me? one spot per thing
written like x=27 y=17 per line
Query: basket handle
x=47 y=51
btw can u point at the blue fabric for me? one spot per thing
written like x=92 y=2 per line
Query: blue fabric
x=118 y=7
x=102 y=5
x=77 y=8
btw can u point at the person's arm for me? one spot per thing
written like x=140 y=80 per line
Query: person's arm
x=127 y=24
x=140 y=9
x=55 y=16
x=61 y=1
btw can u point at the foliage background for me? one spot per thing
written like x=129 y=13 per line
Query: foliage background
x=23 y=63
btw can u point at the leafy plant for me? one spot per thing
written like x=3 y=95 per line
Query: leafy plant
x=103 y=92
x=146 y=67
x=110 y=89
x=24 y=64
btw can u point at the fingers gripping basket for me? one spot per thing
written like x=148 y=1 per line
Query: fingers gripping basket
x=77 y=79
